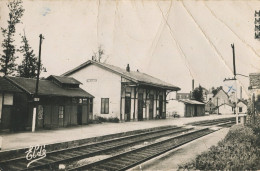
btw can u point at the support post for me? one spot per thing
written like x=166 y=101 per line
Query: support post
x=34 y=119
x=236 y=102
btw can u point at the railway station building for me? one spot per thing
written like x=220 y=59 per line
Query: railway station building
x=59 y=103
x=123 y=93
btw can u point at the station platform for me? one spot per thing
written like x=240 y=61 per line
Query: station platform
x=14 y=141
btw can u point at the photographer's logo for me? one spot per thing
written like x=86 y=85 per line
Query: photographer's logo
x=35 y=153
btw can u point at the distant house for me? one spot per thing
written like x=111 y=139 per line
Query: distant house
x=123 y=93
x=205 y=93
x=59 y=103
x=186 y=108
x=210 y=107
x=180 y=96
x=221 y=97
x=225 y=108
x=242 y=106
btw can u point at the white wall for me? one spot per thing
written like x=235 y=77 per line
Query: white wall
x=225 y=109
x=101 y=84
x=175 y=106
x=244 y=107
x=220 y=98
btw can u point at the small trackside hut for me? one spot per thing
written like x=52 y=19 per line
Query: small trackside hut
x=59 y=102
x=123 y=93
x=10 y=105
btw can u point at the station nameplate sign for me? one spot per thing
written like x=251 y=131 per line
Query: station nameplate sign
x=36 y=99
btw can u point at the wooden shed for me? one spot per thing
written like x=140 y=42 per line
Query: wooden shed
x=193 y=108
x=59 y=102
x=9 y=105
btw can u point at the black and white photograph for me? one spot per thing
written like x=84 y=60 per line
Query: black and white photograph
x=143 y=85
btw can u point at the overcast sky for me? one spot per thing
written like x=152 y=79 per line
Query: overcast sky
x=175 y=41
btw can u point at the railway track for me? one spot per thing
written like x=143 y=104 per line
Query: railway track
x=212 y=122
x=175 y=136
x=67 y=155
x=132 y=158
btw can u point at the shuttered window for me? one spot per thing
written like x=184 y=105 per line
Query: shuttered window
x=104 y=105
x=61 y=112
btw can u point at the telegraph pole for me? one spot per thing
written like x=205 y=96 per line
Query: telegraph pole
x=234 y=78
x=39 y=65
x=35 y=99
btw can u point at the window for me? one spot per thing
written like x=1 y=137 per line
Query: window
x=240 y=109
x=8 y=99
x=61 y=112
x=85 y=101
x=104 y=105
x=90 y=105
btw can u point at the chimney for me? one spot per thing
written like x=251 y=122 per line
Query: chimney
x=240 y=92
x=192 y=84
x=128 y=68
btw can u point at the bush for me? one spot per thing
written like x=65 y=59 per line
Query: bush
x=114 y=120
x=238 y=151
x=111 y=119
x=101 y=119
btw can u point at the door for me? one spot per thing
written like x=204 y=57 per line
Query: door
x=79 y=115
x=160 y=105
x=195 y=110
x=151 y=105
x=7 y=117
x=140 y=106
x=40 y=118
x=127 y=106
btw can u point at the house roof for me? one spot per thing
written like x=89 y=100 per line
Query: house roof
x=135 y=76
x=218 y=90
x=6 y=86
x=186 y=101
x=226 y=104
x=47 y=87
x=242 y=101
x=64 y=79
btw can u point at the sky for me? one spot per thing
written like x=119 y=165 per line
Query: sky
x=176 y=41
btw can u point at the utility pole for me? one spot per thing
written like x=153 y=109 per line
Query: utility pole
x=39 y=65
x=234 y=78
x=35 y=99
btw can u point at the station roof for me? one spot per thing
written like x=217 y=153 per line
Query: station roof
x=187 y=101
x=64 y=79
x=6 y=86
x=135 y=76
x=47 y=88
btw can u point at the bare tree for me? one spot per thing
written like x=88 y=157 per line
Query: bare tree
x=97 y=56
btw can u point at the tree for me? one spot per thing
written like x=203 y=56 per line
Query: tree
x=97 y=56
x=7 y=59
x=198 y=94
x=28 y=68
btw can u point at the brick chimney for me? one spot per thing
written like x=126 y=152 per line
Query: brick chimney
x=128 y=68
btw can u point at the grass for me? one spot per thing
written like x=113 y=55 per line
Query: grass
x=239 y=150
